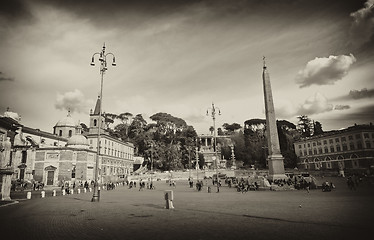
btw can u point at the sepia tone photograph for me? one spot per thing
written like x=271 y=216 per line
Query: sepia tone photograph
x=186 y=119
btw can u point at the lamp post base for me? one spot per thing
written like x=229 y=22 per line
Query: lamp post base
x=96 y=195
x=95 y=199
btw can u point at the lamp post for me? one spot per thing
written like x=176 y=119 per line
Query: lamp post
x=152 y=164
x=103 y=68
x=189 y=162
x=197 y=163
x=215 y=158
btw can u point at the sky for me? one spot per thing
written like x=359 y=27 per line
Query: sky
x=179 y=57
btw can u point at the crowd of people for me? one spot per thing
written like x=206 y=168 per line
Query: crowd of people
x=354 y=180
x=142 y=184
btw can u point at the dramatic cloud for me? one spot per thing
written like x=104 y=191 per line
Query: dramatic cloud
x=325 y=71
x=362 y=115
x=314 y=105
x=362 y=28
x=73 y=101
x=3 y=78
x=341 y=107
x=364 y=93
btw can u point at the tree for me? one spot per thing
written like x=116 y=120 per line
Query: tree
x=305 y=126
x=230 y=128
x=138 y=125
x=211 y=130
x=317 y=128
x=109 y=119
x=167 y=124
x=220 y=132
x=125 y=119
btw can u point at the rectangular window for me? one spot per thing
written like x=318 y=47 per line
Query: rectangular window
x=354 y=163
x=345 y=148
x=315 y=151
x=366 y=135
x=338 y=148
x=328 y=165
x=343 y=139
x=337 y=140
x=320 y=150
x=300 y=146
x=324 y=142
x=332 y=149
x=368 y=145
x=326 y=149
x=351 y=146
x=305 y=152
x=350 y=137
x=359 y=145
x=316 y=165
x=314 y=144
x=308 y=144
x=24 y=157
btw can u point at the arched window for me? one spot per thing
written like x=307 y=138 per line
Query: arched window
x=70 y=133
x=354 y=156
x=327 y=159
x=60 y=133
x=95 y=122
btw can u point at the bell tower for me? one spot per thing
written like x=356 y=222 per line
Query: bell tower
x=95 y=118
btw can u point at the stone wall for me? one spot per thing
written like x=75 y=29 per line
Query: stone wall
x=65 y=171
x=39 y=169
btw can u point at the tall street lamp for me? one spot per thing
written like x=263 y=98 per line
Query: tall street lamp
x=189 y=162
x=152 y=164
x=215 y=158
x=103 y=67
x=197 y=162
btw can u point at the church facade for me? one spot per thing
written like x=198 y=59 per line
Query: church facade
x=68 y=154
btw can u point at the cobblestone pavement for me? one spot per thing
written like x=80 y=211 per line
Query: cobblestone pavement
x=125 y=213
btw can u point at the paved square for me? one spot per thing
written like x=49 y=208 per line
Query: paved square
x=132 y=214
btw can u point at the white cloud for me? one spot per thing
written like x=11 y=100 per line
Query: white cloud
x=73 y=101
x=325 y=71
x=362 y=28
x=315 y=104
x=285 y=109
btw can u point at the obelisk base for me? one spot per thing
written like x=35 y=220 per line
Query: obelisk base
x=276 y=167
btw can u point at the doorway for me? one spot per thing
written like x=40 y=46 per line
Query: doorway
x=50 y=177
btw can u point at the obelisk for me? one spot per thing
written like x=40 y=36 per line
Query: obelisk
x=275 y=158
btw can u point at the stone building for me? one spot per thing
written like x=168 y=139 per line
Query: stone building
x=207 y=149
x=67 y=154
x=348 y=149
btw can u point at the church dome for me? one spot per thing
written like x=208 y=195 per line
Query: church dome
x=12 y=115
x=77 y=141
x=67 y=121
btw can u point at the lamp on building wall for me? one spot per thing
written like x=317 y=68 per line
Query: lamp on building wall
x=103 y=67
x=215 y=158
